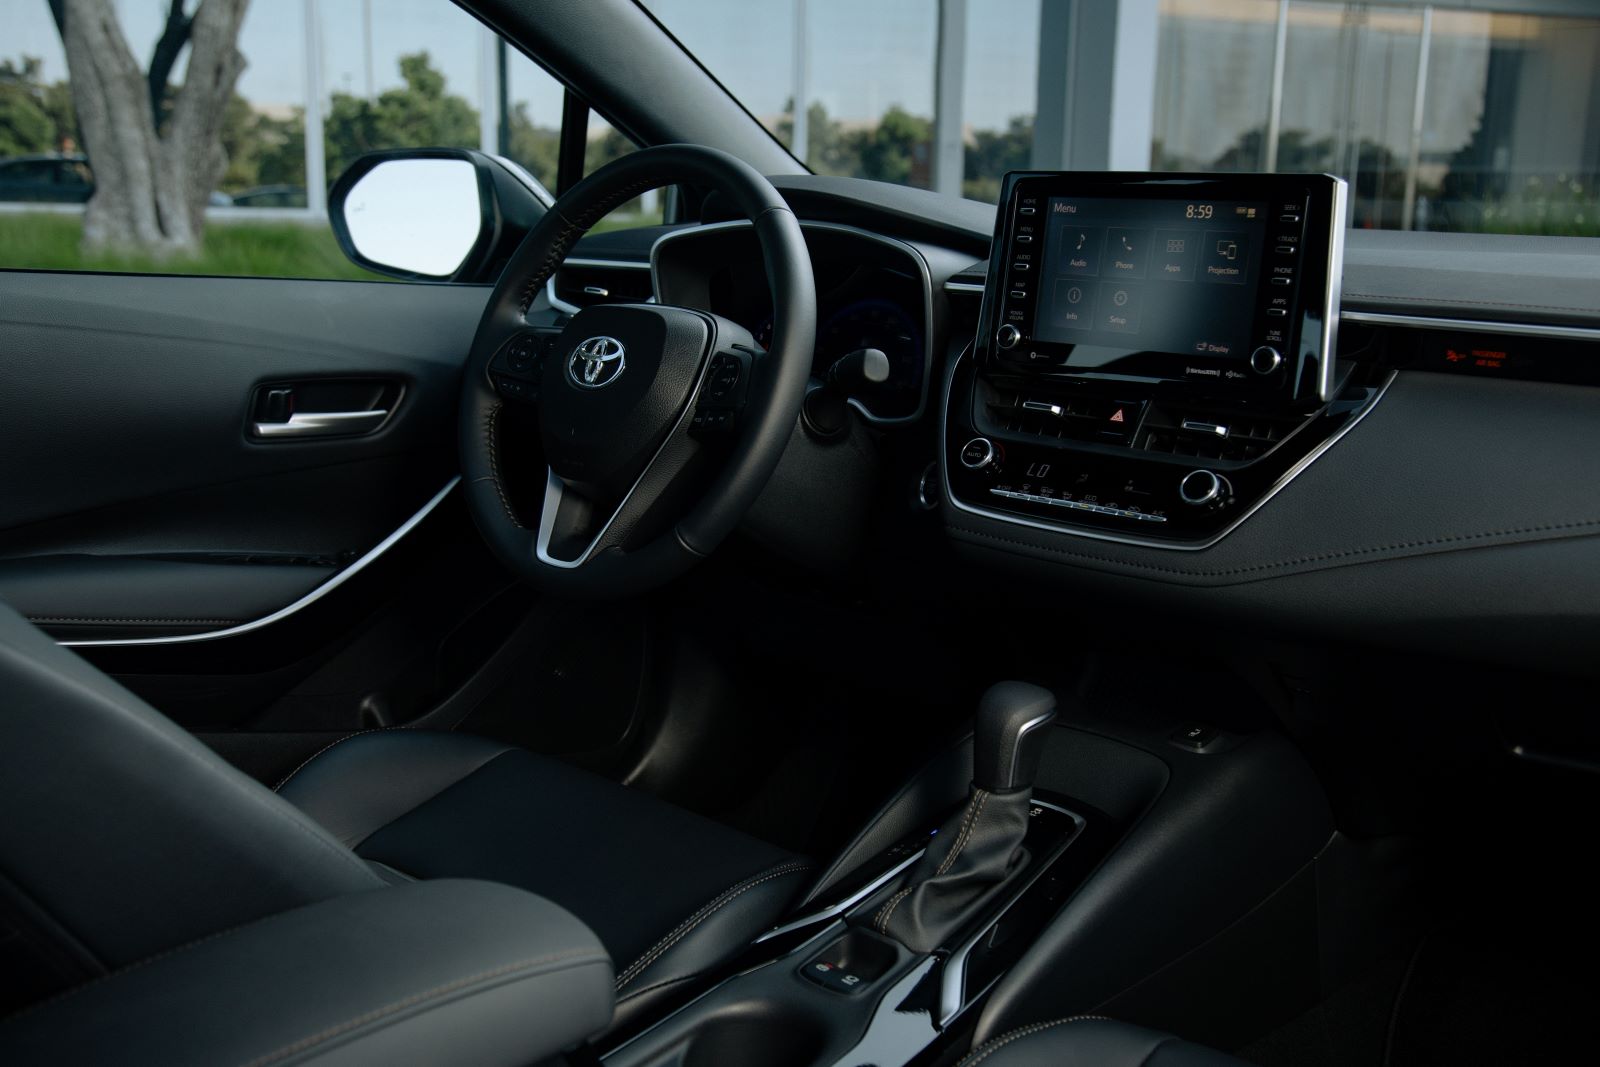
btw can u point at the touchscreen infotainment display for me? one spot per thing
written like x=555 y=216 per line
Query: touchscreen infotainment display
x=1210 y=284
x=1176 y=276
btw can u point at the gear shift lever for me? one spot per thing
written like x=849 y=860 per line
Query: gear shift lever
x=981 y=846
x=1008 y=737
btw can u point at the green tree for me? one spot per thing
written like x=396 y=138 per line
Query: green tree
x=829 y=149
x=992 y=153
x=898 y=149
x=30 y=118
x=536 y=147
x=598 y=151
x=419 y=115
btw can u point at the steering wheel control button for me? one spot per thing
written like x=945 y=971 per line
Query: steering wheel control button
x=978 y=454
x=1201 y=488
x=512 y=388
x=1265 y=360
x=1007 y=336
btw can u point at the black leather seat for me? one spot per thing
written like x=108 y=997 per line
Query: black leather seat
x=124 y=838
x=1092 y=1041
x=668 y=892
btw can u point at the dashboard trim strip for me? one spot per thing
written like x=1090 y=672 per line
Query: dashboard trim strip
x=910 y=251
x=1142 y=542
x=1515 y=329
x=338 y=579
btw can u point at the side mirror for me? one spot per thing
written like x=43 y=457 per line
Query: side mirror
x=433 y=214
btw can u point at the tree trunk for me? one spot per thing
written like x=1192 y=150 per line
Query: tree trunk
x=150 y=188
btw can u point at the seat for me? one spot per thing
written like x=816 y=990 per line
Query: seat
x=124 y=838
x=669 y=893
x=1093 y=1041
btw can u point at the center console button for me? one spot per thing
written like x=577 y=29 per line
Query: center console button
x=977 y=454
x=1200 y=488
x=1007 y=336
x=1265 y=360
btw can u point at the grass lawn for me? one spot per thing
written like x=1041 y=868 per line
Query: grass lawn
x=47 y=241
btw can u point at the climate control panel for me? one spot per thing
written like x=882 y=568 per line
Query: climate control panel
x=1155 y=471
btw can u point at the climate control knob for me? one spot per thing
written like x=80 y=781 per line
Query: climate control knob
x=1201 y=488
x=978 y=454
x=1265 y=360
x=1007 y=336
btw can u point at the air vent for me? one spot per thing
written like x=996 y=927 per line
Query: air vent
x=583 y=286
x=1214 y=435
x=968 y=280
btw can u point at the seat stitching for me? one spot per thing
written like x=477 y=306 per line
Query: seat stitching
x=580 y=956
x=984 y=1051
x=330 y=745
x=684 y=928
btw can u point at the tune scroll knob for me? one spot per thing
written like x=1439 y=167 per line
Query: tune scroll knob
x=1007 y=336
x=979 y=454
x=1202 y=488
x=1265 y=360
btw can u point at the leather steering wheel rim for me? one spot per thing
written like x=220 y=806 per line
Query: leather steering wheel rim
x=775 y=392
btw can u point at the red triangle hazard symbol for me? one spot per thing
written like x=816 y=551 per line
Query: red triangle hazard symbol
x=1118 y=417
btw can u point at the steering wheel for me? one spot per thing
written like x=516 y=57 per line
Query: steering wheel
x=657 y=426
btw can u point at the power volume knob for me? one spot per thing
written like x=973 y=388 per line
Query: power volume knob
x=978 y=454
x=1265 y=360
x=1007 y=336
x=1201 y=488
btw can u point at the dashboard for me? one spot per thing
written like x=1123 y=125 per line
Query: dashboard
x=1441 y=501
x=872 y=292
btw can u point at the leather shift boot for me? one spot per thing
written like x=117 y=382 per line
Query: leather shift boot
x=971 y=854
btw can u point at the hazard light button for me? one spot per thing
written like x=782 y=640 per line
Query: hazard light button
x=1108 y=421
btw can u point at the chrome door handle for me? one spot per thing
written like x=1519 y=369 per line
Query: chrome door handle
x=323 y=423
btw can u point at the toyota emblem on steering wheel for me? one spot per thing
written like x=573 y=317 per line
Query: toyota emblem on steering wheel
x=596 y=362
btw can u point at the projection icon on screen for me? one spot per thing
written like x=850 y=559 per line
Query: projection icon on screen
x=1228 y=250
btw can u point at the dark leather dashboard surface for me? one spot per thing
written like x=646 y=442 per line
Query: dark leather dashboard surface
x=1497 y=277
x=1460 y=513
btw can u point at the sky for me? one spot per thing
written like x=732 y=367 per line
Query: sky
x=864 y=56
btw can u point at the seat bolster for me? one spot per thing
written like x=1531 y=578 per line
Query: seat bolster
x=428 y=973
x=361 y=783
x=1093 y=1041
x=702 y=939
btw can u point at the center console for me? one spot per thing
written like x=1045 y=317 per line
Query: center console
x=1155 y=356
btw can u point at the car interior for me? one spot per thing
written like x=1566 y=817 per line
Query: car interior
x=1144 y=621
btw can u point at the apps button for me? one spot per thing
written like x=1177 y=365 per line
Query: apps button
x=1176 y=252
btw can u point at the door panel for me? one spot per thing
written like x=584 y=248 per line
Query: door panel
x=136 y=484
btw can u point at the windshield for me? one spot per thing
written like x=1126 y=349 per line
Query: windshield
x=1439 y=117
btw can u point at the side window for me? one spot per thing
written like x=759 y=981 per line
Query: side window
x=603 y=144
x=322 y=83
